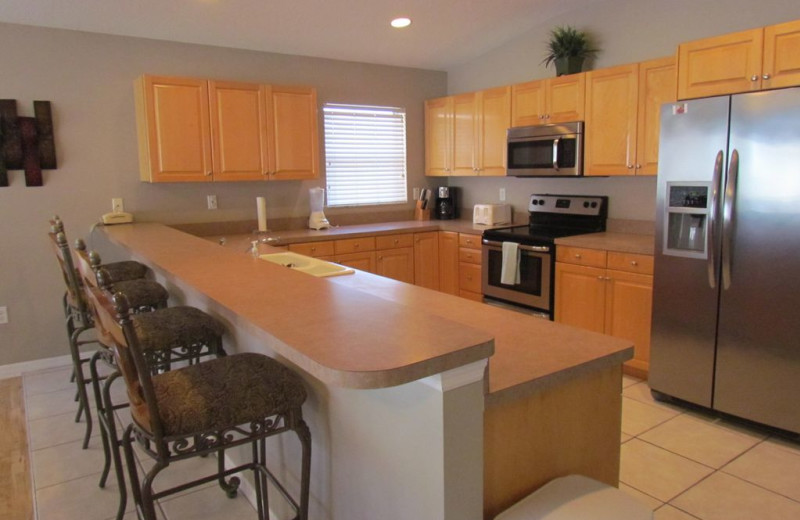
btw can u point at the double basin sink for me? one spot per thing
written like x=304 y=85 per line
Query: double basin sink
x=306 y=264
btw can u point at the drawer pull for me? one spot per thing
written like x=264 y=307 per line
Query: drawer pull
x=578 y=255
x=634 y=263
x=356 y=246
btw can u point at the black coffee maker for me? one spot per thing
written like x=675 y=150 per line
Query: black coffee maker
x=446 y=204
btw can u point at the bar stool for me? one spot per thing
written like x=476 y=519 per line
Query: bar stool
x=78 y=319
x=169 y=335
x=202 y=409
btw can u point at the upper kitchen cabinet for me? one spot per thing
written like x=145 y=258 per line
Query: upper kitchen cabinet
x=745 y=61
x=611 y=108
x=193 y=130
x=657 y=85
x=622 y=117
x=465 y=134
x=554 y=100
x=174 y=129
x=293 y=132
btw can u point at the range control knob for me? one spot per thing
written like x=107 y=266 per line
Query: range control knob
x=594 y=204
x=586 y=204
x=541 y=201
x=534 y=202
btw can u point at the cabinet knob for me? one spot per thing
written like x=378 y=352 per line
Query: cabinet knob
x=754 y=77
x=313 y=249
x=766 y=76
x=356 y=246
x=396 y=241
x=638 y=166
x=601 y=278
x=208 y=173
x=547 y=116
x=578 y=255
x=630 y=166
x=634 y=263
x=469 y=277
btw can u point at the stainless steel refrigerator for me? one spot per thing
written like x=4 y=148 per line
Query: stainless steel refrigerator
x=726 y=308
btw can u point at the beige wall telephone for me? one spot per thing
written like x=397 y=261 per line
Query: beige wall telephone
x=117 y=216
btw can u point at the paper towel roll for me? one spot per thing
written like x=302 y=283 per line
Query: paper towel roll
x=261 y=206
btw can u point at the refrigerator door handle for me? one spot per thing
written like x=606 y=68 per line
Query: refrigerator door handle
x=727 y=218
x=716 y=185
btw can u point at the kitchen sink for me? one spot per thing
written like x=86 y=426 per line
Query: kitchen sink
x=307 y=264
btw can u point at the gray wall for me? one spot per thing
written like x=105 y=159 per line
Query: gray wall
x=626 y=31
x=88 y=78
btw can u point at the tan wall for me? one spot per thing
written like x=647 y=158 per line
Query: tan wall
x=627 y=31
x=88 y=78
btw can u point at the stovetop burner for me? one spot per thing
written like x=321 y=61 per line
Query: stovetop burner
x=555 y=216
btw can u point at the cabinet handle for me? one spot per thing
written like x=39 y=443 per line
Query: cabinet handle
x=765 y=76
x=208 y=173
x=638 y=166
x=578 y=256
x=630 y=166
x=634 y=263
x=601 y=278
x=754 y=77
x=469 y=277
x=356 y=246
x=396 y=241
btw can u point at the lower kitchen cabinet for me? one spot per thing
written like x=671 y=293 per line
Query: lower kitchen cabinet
x=365 y=261
x=448 y=262
x=469 y=267
x=607 y=292
x=426 y=259
x=395 y=257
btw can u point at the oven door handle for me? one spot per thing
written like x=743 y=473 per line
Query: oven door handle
x=555 y=153
x=536 y=249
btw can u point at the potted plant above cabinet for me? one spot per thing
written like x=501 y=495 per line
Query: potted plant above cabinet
x=568 y=48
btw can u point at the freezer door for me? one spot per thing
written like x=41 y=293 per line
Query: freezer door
x=758 y=352
x=694 y=138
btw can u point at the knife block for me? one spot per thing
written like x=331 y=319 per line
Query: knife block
x=422 y=214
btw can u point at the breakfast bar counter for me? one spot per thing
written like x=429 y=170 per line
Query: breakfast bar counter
x=398 y=380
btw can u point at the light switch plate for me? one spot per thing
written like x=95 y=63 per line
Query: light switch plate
x=3 y=315
x=502 y=194
x=212 y=201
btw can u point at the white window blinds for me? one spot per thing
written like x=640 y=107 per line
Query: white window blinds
x=365 y=155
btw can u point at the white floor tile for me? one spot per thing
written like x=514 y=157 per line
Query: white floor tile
x=658 y=472
x=702 y=439
x=65 y=462
x=725 y=497
x=667 y=512
x=770 y=466
x=638 y=417
x=51 y=403
x=42 y=382
x=78 y=499
x=651 y=502
x=208 y=504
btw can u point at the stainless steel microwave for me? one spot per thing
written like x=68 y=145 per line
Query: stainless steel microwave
x=545 y=150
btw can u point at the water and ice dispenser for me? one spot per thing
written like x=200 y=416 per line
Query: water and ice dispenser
x=687 y=215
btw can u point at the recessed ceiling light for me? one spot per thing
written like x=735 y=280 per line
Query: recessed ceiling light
x=401 y=22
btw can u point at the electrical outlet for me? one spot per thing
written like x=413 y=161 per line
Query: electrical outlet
x=502 y=194
x=117 y=206
x=415 y=196
x=212 y=201
x=3 y=314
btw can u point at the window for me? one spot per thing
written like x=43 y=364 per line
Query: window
x=365 y=155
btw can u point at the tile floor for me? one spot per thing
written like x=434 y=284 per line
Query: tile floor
x=688 y=465
x=682 y=464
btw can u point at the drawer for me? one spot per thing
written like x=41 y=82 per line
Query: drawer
x=469 y=277
x=478 y=297
x=470 y=241
x=314 y=248
x=630 y=262
x=354 y=245
x=469 y=256
x=394 y=241
x=581 y=256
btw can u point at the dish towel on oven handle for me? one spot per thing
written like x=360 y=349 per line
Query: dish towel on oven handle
x=509 y=274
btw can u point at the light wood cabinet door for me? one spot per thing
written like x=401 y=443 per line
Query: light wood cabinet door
x=238 y=131
x=724 y=64
x=566 y=98
x=658 y=81
x=555 y=100
x=448 y=262
x=174 y=129
x=465 y=137
x=397 y=264
x=629 y=304
x=469 y=278
x=365 y=261
x=438 y=135
x=611 y=104
x=293 y=132
x=494 y=119
x=580 y=298
x=781 y=67
x=528 y=103
x=426 y=259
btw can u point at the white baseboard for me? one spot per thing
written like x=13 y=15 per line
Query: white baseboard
x=17 y=369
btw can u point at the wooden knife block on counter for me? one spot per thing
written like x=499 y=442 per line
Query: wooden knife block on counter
x=422 y=214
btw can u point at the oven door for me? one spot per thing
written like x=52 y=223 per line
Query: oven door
x=535 y=269
x=547 y=156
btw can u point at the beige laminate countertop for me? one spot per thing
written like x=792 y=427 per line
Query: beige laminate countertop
x=367 y=331
x=621 y=242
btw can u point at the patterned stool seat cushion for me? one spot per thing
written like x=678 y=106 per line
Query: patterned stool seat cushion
x=125 y=270
x=176 y=326
x=224 y=392
x=141 y=293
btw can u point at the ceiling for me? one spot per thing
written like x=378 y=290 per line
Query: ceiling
x=444 y=33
